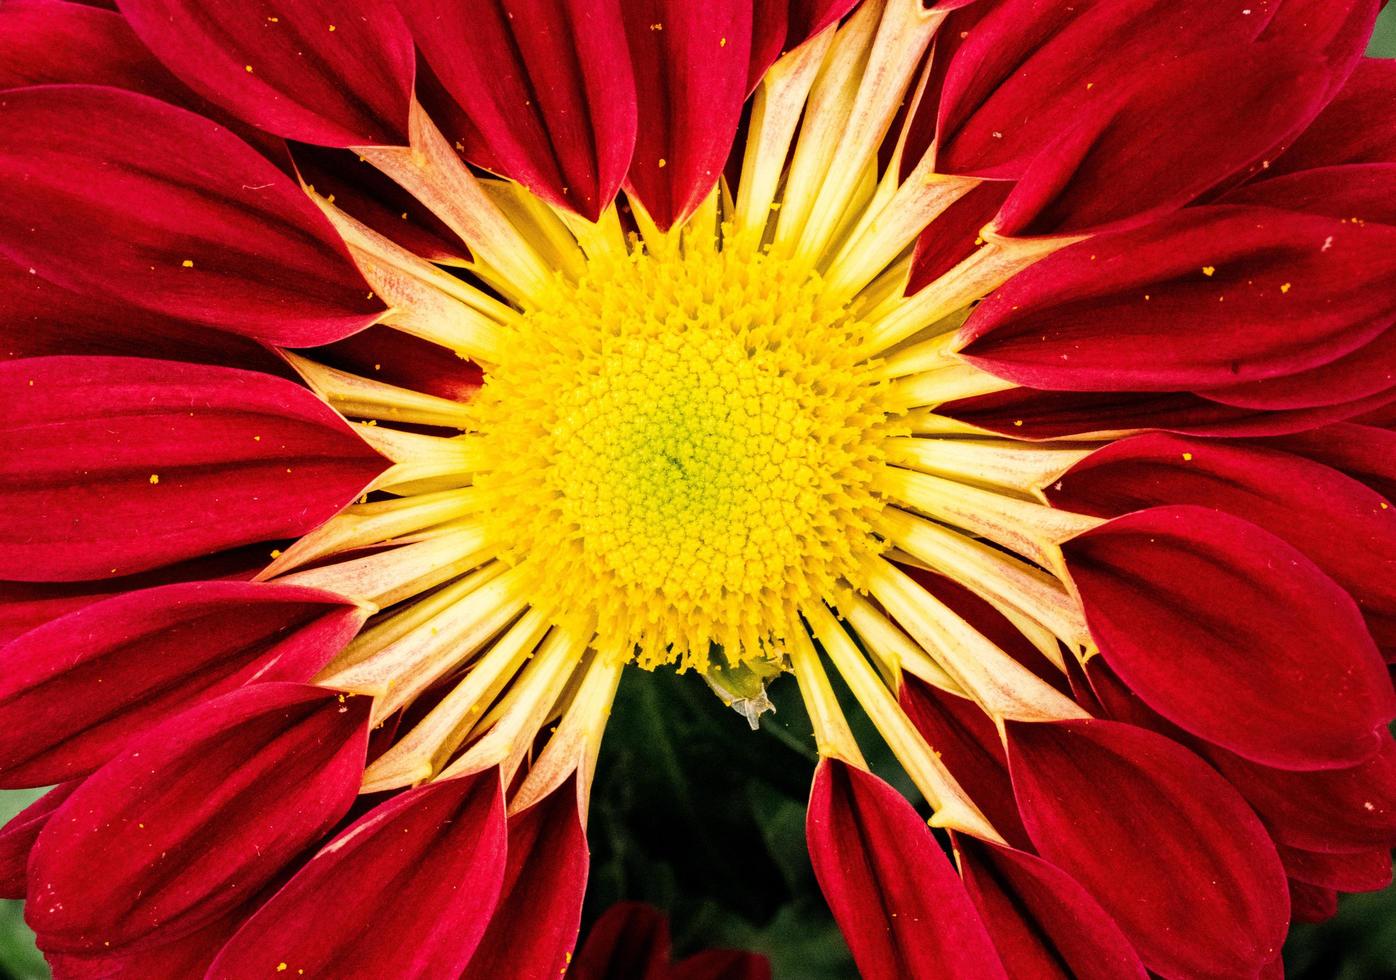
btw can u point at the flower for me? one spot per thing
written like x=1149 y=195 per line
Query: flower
x=384 y=380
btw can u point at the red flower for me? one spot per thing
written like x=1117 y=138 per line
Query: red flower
x=1030 y=364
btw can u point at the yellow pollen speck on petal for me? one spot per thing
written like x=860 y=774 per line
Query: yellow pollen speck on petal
x=331 y=27
x=276 y=552
x=1187 y=457
x=154 y=478
x=188 y=263
x=1286 y=287
x=722 y=43
x=247 y=68
x=1209 y=270
x=1385 y=505
x=1018 y=422
x=663 y=162
x=685 y=446
x=282 y=967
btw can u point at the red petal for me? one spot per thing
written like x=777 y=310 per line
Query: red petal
x=954 y=236
x=1029 y=414
x=1345 y=528
x=1264 y=654
x=1029 y=70
x=629 y=940
x=385 y=354
x=895 y=896
x=117 y=465
x=693 y=61
x=1158 y=838
x=199 y=813
x=1211 y=297
x=1364 y=452
x=118 y=195
x=1044 y=924
x=1312 y=903
x=17 y=839
x=1367 y=371
x=46 y=41
x=76 y=690
x=1353 y=193
x=722 y=964
x=188 y=956
x=1363 y=871
x=1137 y=156
x=534 y=927
x=423 y=871
x=41 y=318
x=362 y=191
x=546 y=87
x=783 y=25
x=1359 y=126
x=1330 y=811
x=968 y=743
x=26 y=605
x=334 y=72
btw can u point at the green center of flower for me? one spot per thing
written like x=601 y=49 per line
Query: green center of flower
x=684 y=447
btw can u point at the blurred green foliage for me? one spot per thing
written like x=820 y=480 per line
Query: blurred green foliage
x=705 y=819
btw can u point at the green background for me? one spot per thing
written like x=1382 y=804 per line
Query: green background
x=704 y=818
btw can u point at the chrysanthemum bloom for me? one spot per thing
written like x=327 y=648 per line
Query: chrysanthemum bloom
x=1027 y=365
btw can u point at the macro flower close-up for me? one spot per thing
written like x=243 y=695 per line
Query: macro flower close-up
x=902 y=486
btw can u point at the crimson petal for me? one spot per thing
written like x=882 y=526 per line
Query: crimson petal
x=1345 y=528
x=400 y=359
x=18 y=835
x=1359 y=126
x=546 y=87
x=49 y=41
x=1355 y=193
x=1158 y=838
x=1364 y=452
x=1209 y=297
x=41 y=318
x=27 y=605
x=188 y=956
x=1329 y=811
x=1030 y=69
x=630 y=939
x=967 y=742
x=118 y=195
x=534 y=927
x=117 y=465
x=76 y=690
x=1134 y=157
x=1251 y=630
x=1369 y=370
x=1361 y=871
x=782 y=25
x=197 y=814
x=722 y=964
x=693 y=59
x=335 y=72
x=425 y=870
x=954 y=236
x=1044 y=924
x=899 y=903
x=1312 y=903
x=1027 y=413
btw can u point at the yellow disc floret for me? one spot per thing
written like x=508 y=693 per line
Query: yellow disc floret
x=682 y=447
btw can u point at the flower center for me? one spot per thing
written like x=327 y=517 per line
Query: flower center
x=684 y=446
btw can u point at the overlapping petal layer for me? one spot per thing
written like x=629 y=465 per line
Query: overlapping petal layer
x=235 y=457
